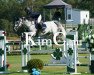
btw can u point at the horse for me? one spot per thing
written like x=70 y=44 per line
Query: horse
x=46 y=27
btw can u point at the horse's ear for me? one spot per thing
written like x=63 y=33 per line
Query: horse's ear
x=39 y=18
x=23 y=18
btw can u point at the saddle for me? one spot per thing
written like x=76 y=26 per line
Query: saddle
x=40 y=26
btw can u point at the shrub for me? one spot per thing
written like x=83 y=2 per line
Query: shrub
x=34 y=63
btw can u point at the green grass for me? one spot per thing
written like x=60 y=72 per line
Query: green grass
x=15 y=66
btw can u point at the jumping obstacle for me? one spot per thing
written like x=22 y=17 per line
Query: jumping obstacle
x=70 y=50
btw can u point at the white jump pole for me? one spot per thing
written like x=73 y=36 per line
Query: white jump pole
x=5 y=53
x=24 y=55
x=3 y=67
x=25 y=50
x=71 y=53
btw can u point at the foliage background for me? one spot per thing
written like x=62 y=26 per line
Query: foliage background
x=11 y=10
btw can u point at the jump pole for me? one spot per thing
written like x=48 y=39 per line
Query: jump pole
x=25 y=51
x=71 y=48
x=3 y=68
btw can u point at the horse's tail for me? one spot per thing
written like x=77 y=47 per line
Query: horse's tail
x=61 y=28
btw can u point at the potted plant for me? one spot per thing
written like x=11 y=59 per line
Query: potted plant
x=34 y=66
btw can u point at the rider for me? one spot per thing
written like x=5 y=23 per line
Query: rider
x=36 y=17
x=32 y=15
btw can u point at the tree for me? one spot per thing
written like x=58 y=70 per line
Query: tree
x=87 y=5
x=6 y=26
x=10 y=10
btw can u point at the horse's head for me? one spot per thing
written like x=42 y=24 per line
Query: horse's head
x=18 y=24
x=22 y=22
